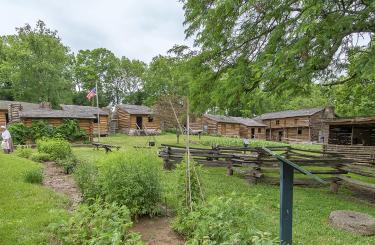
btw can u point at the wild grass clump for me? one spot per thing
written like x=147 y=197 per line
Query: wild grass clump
x=129 y=178
x=57 y=148
x=24 y=152
x=228 y=219
x=34 y=176
x=98 y=223
x=40 y=157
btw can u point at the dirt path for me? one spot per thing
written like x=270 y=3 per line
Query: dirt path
x=55 y=178
x=156 y=231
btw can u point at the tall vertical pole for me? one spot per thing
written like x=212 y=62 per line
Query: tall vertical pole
x=97 y=108
x=286 y=203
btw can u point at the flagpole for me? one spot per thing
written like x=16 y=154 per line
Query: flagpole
x=97 y=108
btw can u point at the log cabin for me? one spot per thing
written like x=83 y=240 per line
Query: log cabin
x=57 y=117
x=233 y=126
x=101 y=124
x=353 y=138
x=7 y=109
x=303 y=125
x=133 y=118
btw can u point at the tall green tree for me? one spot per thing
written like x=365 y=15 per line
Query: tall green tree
x=276 y=45
x=34 y=66
x=95 y=66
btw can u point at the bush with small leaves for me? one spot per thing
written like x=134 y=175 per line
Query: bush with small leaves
x=40 y=157
x=24 y=152
x=34 y=176
x=98 y=223
x=57 y=148
x=224 y=220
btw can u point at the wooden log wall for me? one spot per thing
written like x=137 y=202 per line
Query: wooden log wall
x=363 y=155
x=3 y=121
x=228 y=129
x=259 y=132
x=103 y=124
x=210 y=126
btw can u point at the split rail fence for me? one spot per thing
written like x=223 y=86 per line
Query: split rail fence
x=256 y=165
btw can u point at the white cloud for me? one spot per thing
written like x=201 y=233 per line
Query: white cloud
x=138 y=29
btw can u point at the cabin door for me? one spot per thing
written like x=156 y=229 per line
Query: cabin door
x=253 y=133
x=139 y=123
x=280 y=135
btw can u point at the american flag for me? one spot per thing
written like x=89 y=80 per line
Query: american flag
x=91 y=94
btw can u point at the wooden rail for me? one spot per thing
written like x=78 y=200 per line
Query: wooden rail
x=253 y=163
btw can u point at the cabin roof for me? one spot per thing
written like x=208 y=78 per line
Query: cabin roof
x=43 y=113
x=250 y=122
x=289 y=113
x=84 y=109
x=136 y=109
x=238 y=120
x=351 y=120
x=4 y=105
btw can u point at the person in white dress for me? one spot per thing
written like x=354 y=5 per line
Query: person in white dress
x=7 y=143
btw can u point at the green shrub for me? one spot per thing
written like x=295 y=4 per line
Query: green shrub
x=40 y=157
x=24 y=152
x=86 y=175
x=57 y=148
x=41 y=129
x=20 y=133
x=69 y=164
x=34 y=176
x=131 y=179
x=224 y=220
x=70 y=130
x=99 y=223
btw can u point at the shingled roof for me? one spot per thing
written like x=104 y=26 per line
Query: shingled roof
x=289 y=113
x=43 y=113
x=136 y=109
x=239 y=120
x=4 y=105
x=84 y=109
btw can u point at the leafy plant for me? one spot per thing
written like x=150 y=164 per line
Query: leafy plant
x=20 y=133
x=69 y=164
x=99 y=223
x=24 y=152
x=131 y=178
x=34 y=176
x=40 y=129
x=57 y=148
x=86 y=175
x=40 y=157
x=70 y=130
x=224 y=220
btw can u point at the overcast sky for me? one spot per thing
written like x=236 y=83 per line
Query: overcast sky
x=137 y=29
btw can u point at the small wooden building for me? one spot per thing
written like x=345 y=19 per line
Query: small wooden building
x=137 y=117
x=56 y=118
x=352 y=137
x=304 y=125
x=252 y=129
x=233 y=126
x=9 y=110
x=102 y=122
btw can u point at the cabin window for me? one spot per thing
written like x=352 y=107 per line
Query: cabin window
x=296 y=121
x=277 y=122
x=299 y=131
x=150 y=119
x=96 y=120
x=259 y=130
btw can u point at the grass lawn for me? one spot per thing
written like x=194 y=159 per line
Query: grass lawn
x=25 y=209
x=312 y=206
